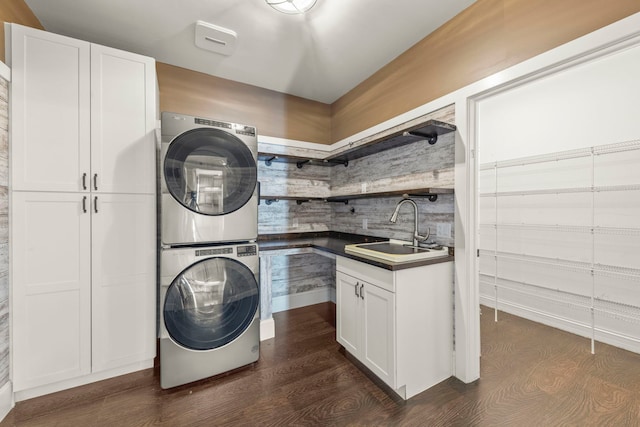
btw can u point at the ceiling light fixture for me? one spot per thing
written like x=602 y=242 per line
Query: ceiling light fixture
x=291 y=6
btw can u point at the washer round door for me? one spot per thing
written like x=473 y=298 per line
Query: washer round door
x=211 y=303
x=210 y=171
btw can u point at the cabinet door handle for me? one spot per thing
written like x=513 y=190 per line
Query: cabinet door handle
x=84 y=181
x=84 y=204
x=95 y=204
x=362 y=291
x=356 y=288
x=95 y=181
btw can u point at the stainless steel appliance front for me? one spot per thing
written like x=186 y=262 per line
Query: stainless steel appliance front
x=208 y=175
x=209 y=311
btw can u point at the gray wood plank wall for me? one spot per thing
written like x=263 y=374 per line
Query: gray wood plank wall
x=4 y=232
x=294 y=274
x=286 y=216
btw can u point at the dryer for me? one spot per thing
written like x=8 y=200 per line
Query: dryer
x=209 y=311
x=208 y=181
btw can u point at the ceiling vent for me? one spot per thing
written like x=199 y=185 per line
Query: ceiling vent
x=215 y=39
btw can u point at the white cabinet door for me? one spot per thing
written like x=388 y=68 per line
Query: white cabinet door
x=123 y=122
x=123 y=280
x=50 y=123
x=51 y=288
x=348 y=312
x=378 y=332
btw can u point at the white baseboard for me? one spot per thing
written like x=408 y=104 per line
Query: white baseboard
x=86 y=379
x=564 y=324
x=6 y=399
x=267 y=329
x=302 y=299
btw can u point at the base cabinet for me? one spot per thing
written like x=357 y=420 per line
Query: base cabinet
x=83 y=294
x=51 y=288
x=399 y=324
x=123 y=302
x=366 y=324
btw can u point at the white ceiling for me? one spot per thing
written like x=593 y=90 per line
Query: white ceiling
x=320 y=55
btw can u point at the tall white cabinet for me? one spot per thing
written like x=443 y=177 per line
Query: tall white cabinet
x=83 y=264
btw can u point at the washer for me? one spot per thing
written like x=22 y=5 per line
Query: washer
x=209 y=191
x=210 y=317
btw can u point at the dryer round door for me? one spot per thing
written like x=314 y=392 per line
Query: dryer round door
x=210 y=171
x=211 y=303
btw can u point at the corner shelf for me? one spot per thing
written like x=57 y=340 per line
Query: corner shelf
x=428 y=131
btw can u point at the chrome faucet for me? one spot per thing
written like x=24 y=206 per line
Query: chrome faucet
x=416 y=237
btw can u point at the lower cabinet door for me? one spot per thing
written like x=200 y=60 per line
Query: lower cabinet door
x=378 y=332
x=123 y=279
x=51 y=287
x=348 y=312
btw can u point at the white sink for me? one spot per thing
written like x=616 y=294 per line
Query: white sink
x=395 y=251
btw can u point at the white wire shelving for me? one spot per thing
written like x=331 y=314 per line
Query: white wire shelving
x=593 y=271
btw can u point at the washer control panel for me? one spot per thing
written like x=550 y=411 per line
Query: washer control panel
x=248 y=250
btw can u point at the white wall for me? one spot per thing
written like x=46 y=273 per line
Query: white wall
x=550 y=252
x=590 y=104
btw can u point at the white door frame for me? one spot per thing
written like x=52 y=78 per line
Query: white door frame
x=606 y=41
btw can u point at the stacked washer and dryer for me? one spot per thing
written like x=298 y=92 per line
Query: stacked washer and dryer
x=209 y=265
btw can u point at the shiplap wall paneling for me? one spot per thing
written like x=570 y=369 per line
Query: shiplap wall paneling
x=415 y=165
x=287 y=180
x=301 y=279
x=349 y=218
x=4 y=233
x=287 y=216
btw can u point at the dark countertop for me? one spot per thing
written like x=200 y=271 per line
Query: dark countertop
x=334 y=242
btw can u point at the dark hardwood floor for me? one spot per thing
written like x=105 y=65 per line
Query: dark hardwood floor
x=531 y=375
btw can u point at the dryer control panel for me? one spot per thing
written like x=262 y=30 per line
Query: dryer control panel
x=216 y=251
x=248 y=250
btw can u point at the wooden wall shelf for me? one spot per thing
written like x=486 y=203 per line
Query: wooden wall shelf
x=429 y=193
x=270 y=158
x=428 y=131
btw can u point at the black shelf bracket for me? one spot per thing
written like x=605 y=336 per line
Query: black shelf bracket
x=345 y=163
x=301 y=163
x=431 y=138
x=345 y=201
x=301 y=201
x=270 y=160
x=269 y=201
x=429 y=197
